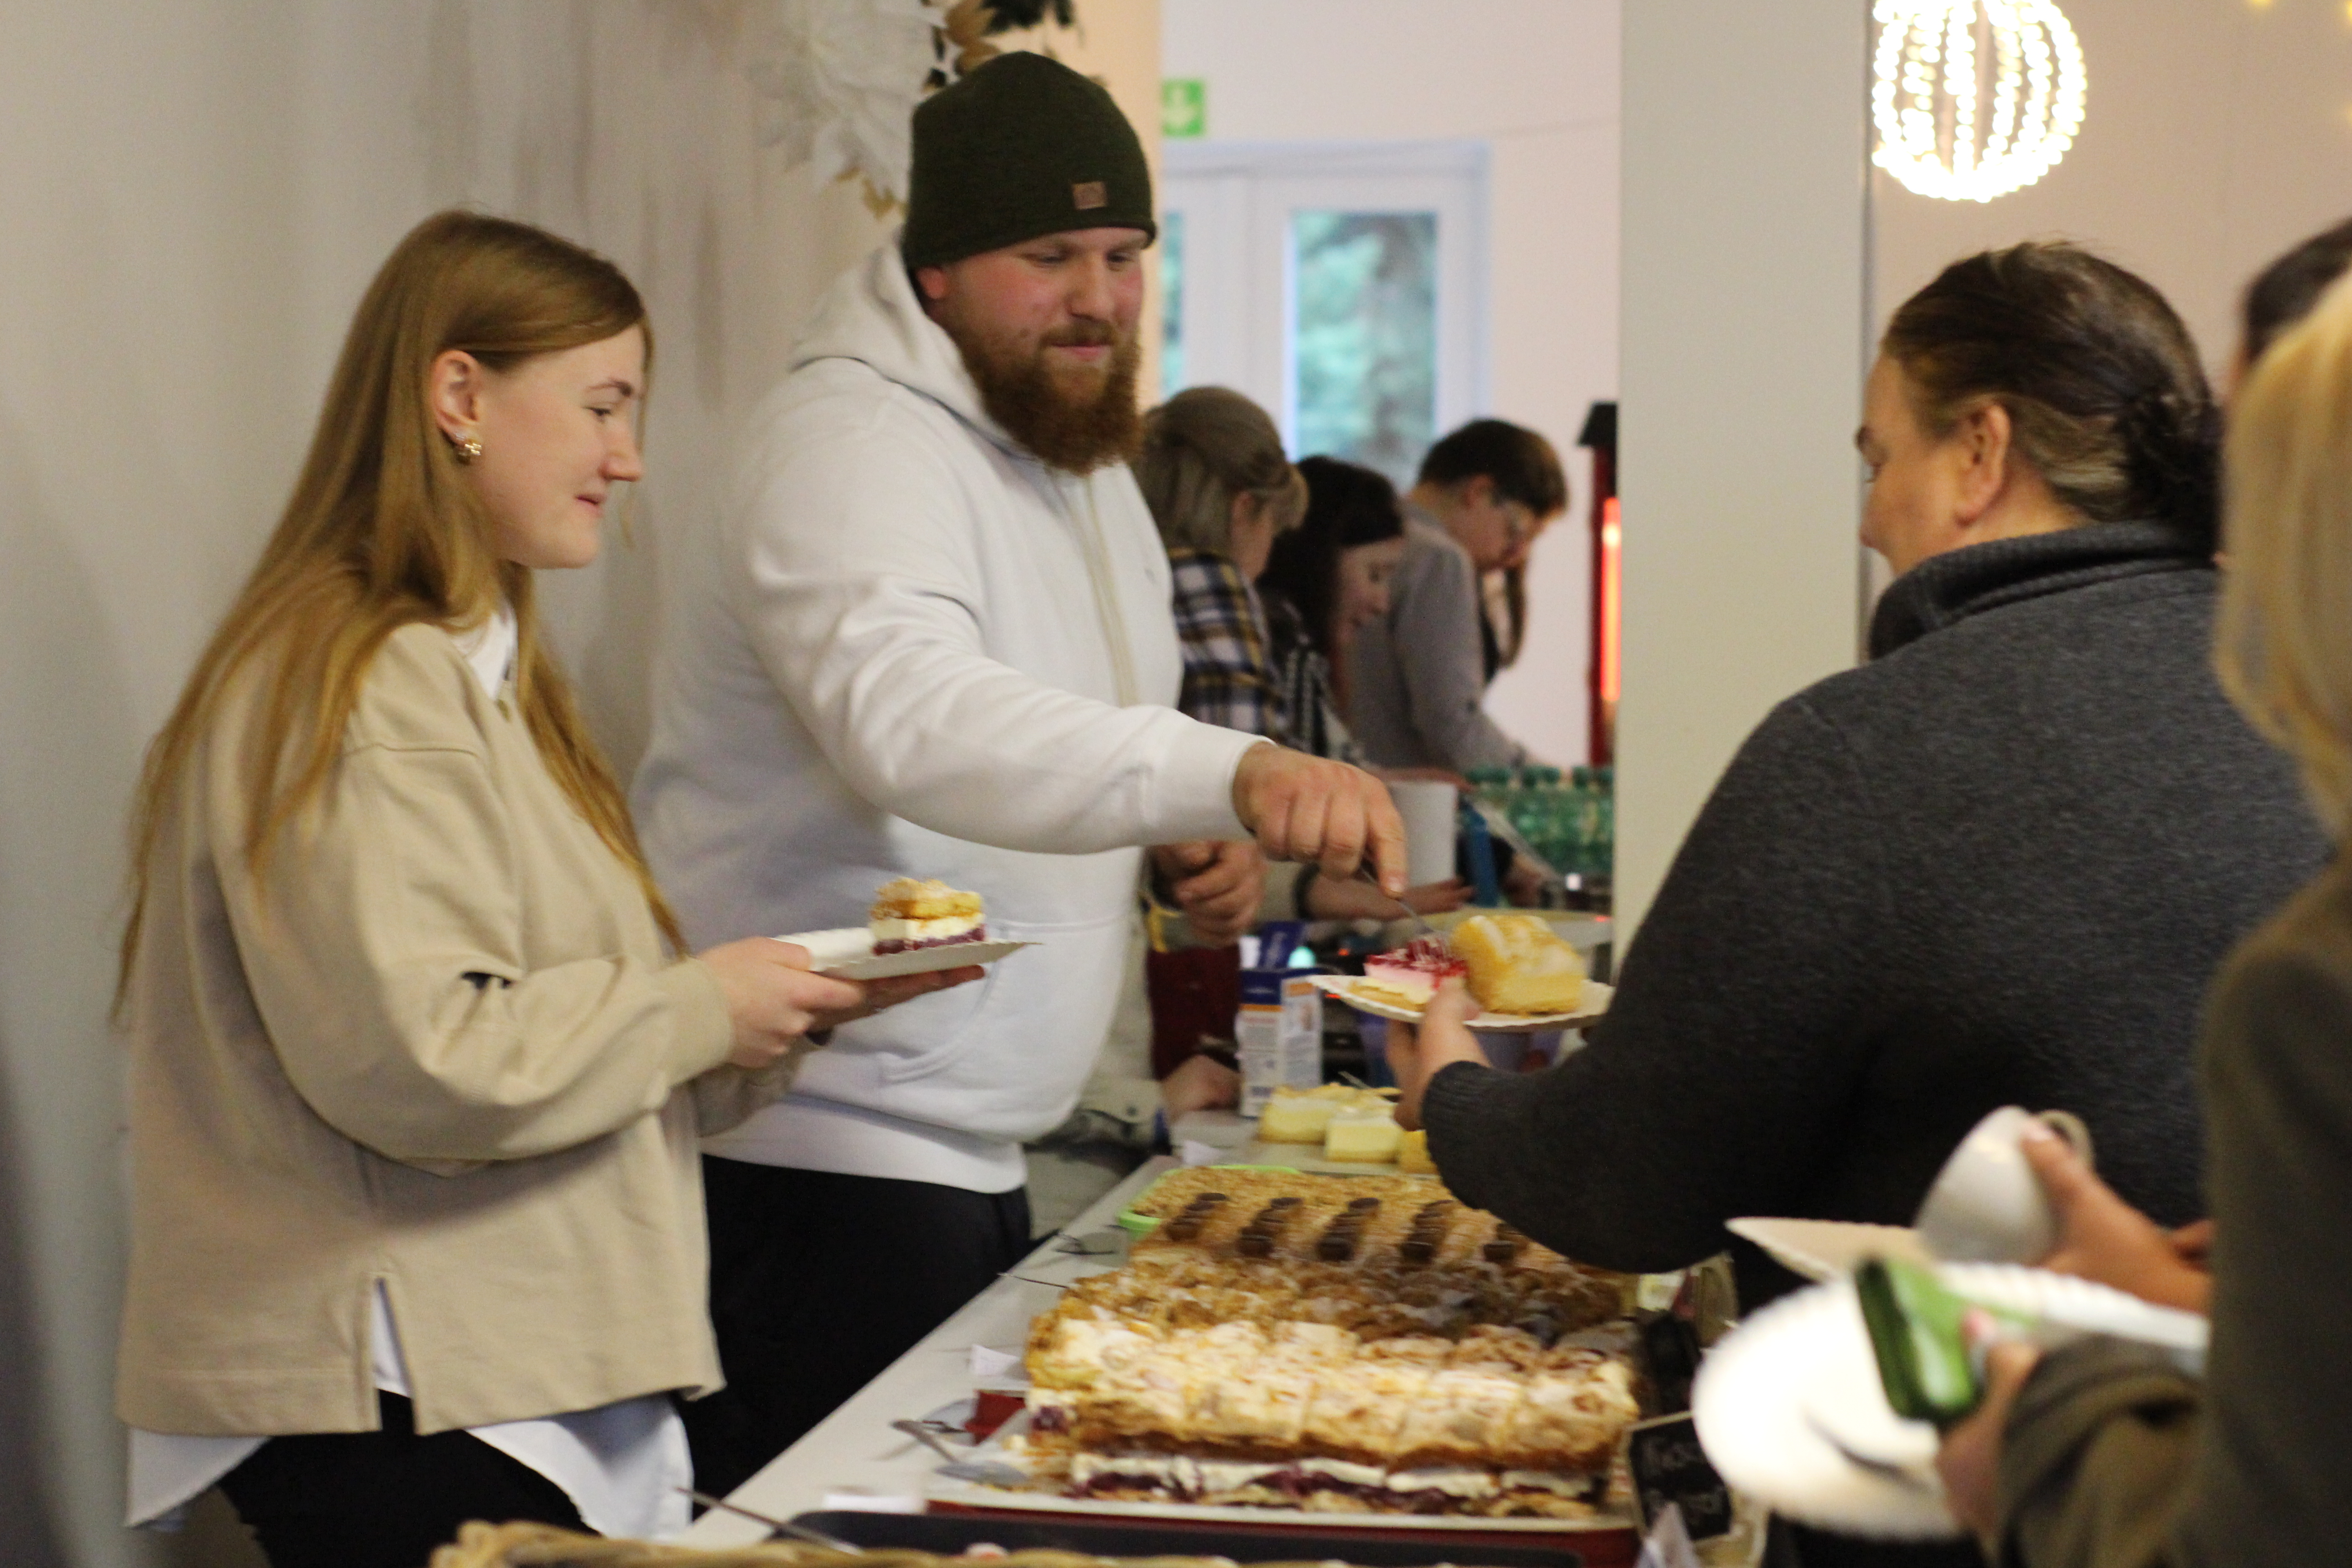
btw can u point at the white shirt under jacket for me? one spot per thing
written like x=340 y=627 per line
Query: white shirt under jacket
x=908 y=648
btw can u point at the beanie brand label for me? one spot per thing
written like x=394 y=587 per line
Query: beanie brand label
x=1088 y=194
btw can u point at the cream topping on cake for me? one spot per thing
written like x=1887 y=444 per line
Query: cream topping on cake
x=908 y=913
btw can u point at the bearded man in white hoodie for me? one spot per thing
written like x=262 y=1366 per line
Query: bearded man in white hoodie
x=931 y=637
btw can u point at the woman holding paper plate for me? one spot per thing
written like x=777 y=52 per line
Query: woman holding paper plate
x=416 y=1072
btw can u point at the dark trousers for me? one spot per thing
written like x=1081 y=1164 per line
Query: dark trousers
x=818 y=1281
x=382 y=1499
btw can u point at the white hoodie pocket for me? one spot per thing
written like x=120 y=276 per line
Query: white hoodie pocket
x=1018 y=1061
x=947 y=1021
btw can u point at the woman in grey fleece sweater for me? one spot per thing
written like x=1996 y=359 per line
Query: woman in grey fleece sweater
x=1997 y=864
x=2101 y=1456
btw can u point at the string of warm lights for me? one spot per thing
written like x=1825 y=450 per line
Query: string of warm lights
x=1951 y=126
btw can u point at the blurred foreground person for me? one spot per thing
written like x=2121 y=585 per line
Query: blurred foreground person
x=2101 y=1455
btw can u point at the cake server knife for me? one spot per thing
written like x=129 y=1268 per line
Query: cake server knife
x=987 y=1472
x=777 y=1526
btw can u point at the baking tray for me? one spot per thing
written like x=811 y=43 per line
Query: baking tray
x=949 y=1534
x=944 y=1493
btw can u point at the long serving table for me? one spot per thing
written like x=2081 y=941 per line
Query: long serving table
x=853 y=1453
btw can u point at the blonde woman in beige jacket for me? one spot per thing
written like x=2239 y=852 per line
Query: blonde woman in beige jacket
x=416 y=1077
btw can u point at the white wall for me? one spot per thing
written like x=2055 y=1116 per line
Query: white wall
x=1743 y=350
x=2215 y=136
x=195 y=193
x=1537 y=79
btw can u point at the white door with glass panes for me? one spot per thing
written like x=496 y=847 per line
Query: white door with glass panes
x=1339 y=285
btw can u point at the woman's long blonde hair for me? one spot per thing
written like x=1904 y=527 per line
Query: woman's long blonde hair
x=2283 y=647
x=382 y=531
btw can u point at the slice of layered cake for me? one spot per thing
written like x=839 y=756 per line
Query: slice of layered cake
x=911 y=914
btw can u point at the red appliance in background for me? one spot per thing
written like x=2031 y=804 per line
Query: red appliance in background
x=1599 y=436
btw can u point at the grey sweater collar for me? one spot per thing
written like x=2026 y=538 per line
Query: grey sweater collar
x=1945 y=589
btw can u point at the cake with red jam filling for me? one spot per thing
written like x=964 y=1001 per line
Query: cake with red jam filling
x=1409 y=977
x=909 y=914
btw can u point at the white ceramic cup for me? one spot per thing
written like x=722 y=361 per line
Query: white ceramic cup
x=1987 y=1206
x=1428 y=809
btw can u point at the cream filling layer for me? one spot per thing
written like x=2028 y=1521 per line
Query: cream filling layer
x=889 y=928
x=1453 y=1480
x=1182 y=1472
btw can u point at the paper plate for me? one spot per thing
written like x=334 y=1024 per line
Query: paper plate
x=848 y=953
x=1765 y=1393
x=1777 y=1398
x=1825 y=1249
x=1342 y=987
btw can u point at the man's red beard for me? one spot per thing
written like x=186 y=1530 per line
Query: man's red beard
x=1069 y=417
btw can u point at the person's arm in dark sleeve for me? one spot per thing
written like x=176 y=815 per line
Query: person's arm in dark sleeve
x=1740 y=1023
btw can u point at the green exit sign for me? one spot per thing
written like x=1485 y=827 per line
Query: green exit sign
x=1183 y=106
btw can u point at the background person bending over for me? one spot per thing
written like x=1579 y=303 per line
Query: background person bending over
x=930 y=638
x=1417 y=675
x=1324 y=582
x=1996 y=865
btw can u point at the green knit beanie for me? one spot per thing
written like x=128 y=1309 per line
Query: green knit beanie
x=1022 y=146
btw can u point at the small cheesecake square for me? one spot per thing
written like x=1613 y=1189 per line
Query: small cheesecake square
x=910 y=914
x=1409 y=977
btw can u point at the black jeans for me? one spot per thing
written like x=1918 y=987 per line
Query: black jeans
x=818 y=1282
x=382 y=1499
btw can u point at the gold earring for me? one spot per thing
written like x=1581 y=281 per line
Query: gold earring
x=469 y=449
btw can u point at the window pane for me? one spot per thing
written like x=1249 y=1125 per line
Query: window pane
x=1172 y=303
x=1364 y=338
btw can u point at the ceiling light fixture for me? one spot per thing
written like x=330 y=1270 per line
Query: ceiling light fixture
x=1974 y=99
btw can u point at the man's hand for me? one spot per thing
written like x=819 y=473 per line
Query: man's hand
x=1969 y=1460
x=1308 y=808
x=1199 y=1083
x=1217 y=884
x=2103 y=1239
x=1418 y=1055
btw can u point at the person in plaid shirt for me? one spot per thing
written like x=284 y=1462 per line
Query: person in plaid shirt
x=1213 y=473
x=1228 y=677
